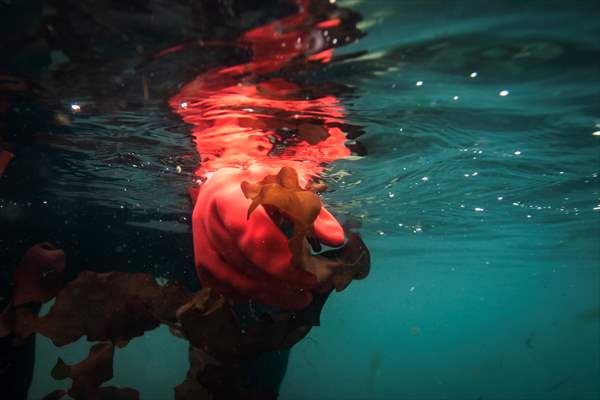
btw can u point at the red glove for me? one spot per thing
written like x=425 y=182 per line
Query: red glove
x=249 y=258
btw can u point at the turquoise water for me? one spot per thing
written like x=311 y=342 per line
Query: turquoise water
x=479 y=200
x=481 y=210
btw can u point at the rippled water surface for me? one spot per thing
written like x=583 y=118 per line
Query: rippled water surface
x=479 y=198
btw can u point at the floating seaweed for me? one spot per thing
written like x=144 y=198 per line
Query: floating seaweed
x=283 y=197
x=116 y=307
x=89 y=374
x=283 y=193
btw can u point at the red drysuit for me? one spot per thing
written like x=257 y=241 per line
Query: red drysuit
x=248 y=124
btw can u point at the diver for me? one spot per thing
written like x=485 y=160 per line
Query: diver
x=248 y=122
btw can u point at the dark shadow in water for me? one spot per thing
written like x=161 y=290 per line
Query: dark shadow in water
x=101 y=166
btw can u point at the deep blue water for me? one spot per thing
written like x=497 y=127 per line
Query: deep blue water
x=479 y=200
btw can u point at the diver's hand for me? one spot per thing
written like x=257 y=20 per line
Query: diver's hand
x=249 y=258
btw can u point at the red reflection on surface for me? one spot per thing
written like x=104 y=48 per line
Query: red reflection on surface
x=241 y=115
x=329 y=23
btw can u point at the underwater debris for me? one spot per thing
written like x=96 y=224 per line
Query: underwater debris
x=557 y=385
x=374 y=369
x=592 y=315
x=283 y=193
x=89 y=374
x=415 y=330
x=530 y=340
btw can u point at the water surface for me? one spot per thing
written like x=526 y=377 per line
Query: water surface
x=479 y=198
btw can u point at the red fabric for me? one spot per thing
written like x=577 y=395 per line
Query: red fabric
x=249 y=258
x=236 y=115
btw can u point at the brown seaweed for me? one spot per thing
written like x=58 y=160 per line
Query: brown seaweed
x=118 y=306
x=96 y=369
x=283 y=193
x=89 y=374
x=114 y=306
